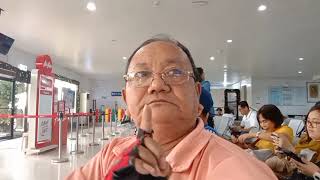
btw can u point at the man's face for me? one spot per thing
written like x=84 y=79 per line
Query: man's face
x=244 y=110
x=174 y=107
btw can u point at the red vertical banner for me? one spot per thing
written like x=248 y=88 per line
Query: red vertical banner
x=44 y=101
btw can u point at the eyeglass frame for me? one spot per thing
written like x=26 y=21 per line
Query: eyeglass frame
x=162 y=76
x=312 y=124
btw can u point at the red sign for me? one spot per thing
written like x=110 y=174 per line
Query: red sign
x=45 y=84
x=44 y=64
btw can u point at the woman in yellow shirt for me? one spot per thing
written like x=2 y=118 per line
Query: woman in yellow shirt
x=270 y=119
x=311 y=141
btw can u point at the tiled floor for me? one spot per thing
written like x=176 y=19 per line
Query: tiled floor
x=14 y=165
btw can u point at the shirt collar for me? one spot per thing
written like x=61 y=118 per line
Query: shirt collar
x=183 y=154
x=126 y=143
x=248 y=115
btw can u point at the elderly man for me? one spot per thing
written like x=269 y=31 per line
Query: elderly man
x=163 y=99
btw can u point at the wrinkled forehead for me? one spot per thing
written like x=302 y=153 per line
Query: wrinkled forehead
x=159 y=55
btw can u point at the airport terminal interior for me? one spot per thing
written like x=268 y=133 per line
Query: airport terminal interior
x=79 y=80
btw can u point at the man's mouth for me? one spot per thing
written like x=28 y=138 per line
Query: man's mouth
x=159 y=101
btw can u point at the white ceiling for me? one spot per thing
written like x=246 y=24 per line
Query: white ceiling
x=265 y=44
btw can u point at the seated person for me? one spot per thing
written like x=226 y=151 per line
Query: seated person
x=270 y=119
x=206 y=102
x=228 y=116
x=228 y=113
x=307 y=147
x=249 y=121
x=219 y=112
x=162 y=96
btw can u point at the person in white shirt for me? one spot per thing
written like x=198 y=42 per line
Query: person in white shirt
x=249 y=121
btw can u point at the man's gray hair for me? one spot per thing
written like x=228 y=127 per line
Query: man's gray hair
x=166 y=38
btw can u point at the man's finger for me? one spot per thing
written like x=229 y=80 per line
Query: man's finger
x=146 y=123
x=153 y=171
x=156 y=151
x=164 y=165
x=146 y=156
x=153 y=147
x=138 y=165
x=156 y=172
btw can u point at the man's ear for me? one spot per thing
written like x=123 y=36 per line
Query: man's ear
x=200 y=108
x=124 y=95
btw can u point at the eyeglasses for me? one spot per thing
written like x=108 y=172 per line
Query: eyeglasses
x=173 y=76
x=313 y=124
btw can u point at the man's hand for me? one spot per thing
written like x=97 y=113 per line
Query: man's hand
x=151 y=158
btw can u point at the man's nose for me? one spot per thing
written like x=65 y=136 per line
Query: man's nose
x=158 y=85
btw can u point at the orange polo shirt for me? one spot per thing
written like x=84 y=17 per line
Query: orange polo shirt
x=200 y=155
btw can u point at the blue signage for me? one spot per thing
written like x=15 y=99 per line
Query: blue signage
x=116 y=93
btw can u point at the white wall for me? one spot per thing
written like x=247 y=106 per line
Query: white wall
x=260 y=94
x=218 y=94
x=249 y=94
x=85 y=83
x=101 y=92
x=17 y=56
x=218 y=97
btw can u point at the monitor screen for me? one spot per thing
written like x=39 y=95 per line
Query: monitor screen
x=5 y=44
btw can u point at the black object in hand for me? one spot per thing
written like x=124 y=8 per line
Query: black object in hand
x=129 y=173
x=292 y=155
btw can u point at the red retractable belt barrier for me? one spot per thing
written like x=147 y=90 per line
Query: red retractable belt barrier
x=47 y=115
x=28 y=116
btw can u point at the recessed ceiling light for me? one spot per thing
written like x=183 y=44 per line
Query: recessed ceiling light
x=124 y=58
x=212 y=58
x=262 y=7
x=225 y=70
x=200 y=3
x=301 y=59
x=91 y=6
x=229 y=41
x=225 y=66
x=156 y=3
x=300 y=72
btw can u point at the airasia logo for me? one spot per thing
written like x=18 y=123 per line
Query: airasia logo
x=44 y=64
